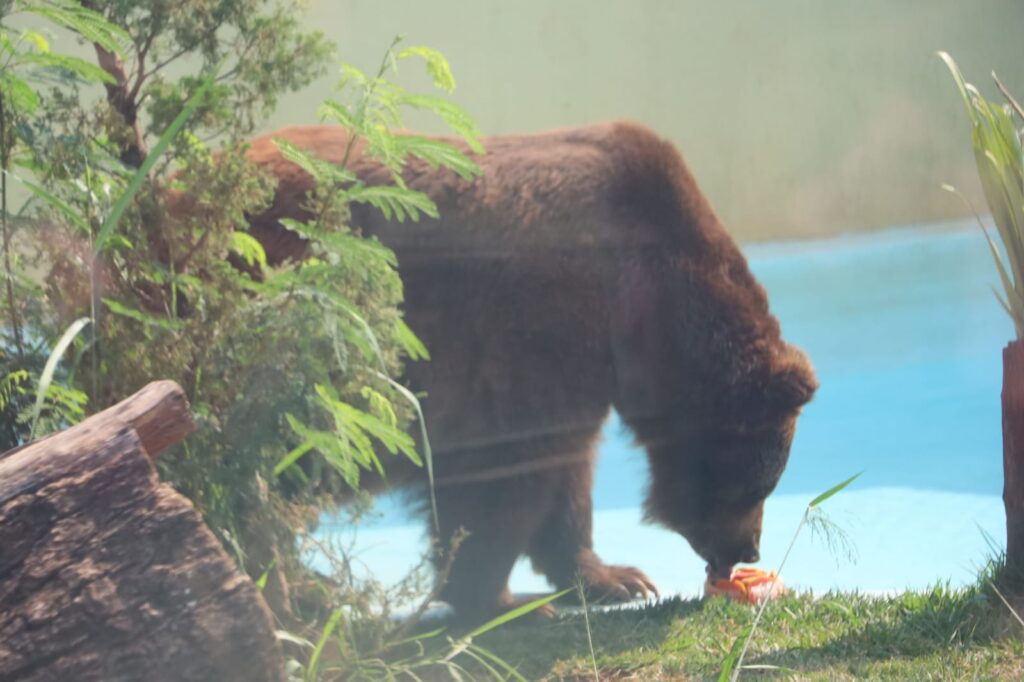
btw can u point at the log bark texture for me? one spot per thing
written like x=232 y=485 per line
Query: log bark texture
x=107 y=574
x=1013 y=455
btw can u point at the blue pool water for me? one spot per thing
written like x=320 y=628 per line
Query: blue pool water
x=906 y=336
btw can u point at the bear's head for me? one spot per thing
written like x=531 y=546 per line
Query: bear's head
x=712 y=470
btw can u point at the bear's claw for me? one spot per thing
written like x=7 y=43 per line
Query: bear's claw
x=618 y=584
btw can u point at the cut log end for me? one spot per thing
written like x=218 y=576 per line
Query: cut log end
x=159 y=414
x=107 y=574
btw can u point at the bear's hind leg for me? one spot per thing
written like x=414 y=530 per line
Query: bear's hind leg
x=499 y=519
x=563 y=550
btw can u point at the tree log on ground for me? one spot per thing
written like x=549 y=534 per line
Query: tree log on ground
x=107 y=574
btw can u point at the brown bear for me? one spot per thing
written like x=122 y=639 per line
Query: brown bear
x=582 y=271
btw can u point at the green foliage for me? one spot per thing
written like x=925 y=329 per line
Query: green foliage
x=370 y=114
x=262 y=46
x=276 y=358
x=110 y=222
x=135 y=222
x=27 y=60
x=79 y=19
x=26 y=55
x=163 y=300
x=997 y=152
x=350 y=446
x=429 y=653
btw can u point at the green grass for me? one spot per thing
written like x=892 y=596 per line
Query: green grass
x=941 y=634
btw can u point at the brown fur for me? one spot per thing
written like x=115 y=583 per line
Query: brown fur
x=583 y=270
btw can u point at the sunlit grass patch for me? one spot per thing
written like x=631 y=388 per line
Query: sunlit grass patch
x=941 y=633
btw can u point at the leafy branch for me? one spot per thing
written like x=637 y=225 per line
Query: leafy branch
x=372 y=114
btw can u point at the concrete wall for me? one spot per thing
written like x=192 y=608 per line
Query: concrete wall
x=799 y=117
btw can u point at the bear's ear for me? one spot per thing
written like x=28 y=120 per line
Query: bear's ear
x=792 y=382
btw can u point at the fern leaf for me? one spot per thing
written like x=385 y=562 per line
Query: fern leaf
x=89 y=24
x=246 y=246
x=437 y=66
x=438 y=153
x=140 y=316
x=396 y=203
x=87 y=71
x=17 y=94
x=454 y=116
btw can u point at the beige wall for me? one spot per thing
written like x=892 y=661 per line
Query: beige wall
x=799 y=117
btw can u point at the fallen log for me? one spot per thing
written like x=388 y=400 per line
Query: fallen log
x=107 y=574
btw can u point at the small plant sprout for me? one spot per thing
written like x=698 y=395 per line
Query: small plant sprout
x=733 y=663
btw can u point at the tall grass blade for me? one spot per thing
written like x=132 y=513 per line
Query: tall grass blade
x=516 y=613
x=262 y=582
x=500 y=662
x=56 y=202
x=997 y=153
x=1006 y=603
x=428 y=454
x=46 y=378
x=1013 y=304
x=313 y=668
x=285 y=636
x=154 y=155
x=958 y=78
x=764 y=667
x=729 y=665
x=586 y=622
x=484 y=663
x=833 y=490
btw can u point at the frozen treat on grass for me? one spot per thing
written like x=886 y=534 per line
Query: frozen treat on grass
x=748 y=585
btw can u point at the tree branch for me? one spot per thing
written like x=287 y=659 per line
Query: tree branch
x=120 y=98
x=140 y=66
x=159 y=65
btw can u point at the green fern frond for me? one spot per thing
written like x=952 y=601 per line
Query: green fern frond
x=437 y=66
x=396 y=203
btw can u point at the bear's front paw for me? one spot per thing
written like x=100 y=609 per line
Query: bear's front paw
x=605 y=583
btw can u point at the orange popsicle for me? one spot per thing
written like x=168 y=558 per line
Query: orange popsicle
x=748 y=585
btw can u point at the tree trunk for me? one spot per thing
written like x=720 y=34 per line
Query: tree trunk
x=107 y=574
x=1013 y=455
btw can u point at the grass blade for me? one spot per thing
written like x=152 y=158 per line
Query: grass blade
x=500 y=662
x=1006 y=603
x=582 y=592
x=428 y=455
x=517 y=612
x=314 y=660
x=961 y=85
x=159 y=148
x=46 y=378
x=262 y=582
x=56 y=202
x=285 y=636
x=483 y=663
x=833 y=490
x=729 y=664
